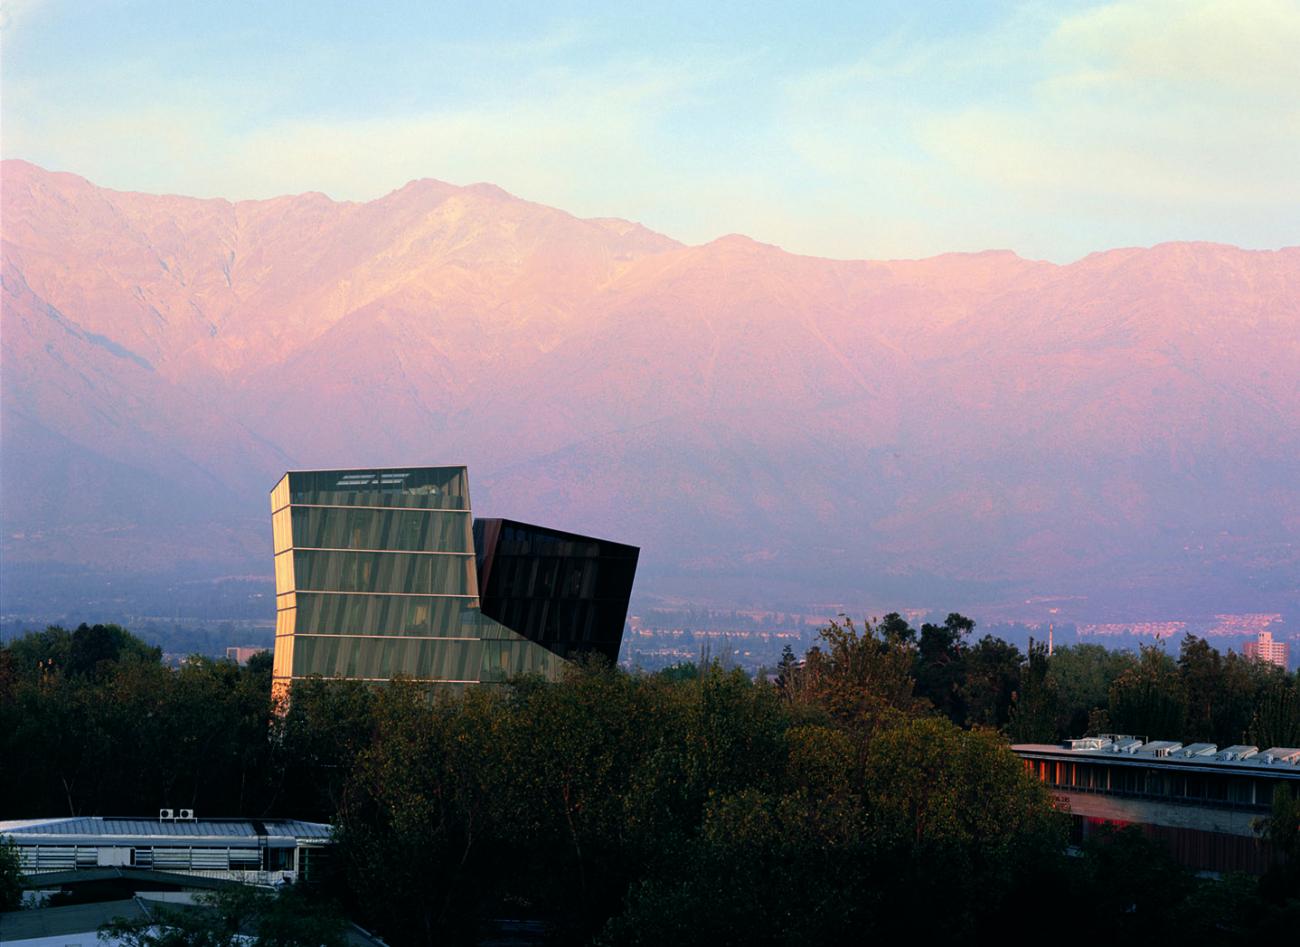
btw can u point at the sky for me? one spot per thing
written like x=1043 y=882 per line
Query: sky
x=857 y=130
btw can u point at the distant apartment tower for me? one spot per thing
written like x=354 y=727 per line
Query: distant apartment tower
x=1264 y=648
x=377 y=574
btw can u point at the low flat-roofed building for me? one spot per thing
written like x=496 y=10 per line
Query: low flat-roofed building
x=1202 y=801
x=73 y=925
x=61 y=851
x=78 y=925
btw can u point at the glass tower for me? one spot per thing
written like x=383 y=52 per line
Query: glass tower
x=566 y=592
x=375 y=577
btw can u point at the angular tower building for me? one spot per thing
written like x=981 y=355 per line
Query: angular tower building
x=566 y=592
x=376 y=575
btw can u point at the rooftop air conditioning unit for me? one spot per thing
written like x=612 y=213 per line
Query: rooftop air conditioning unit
x=1088 y=743
x=1163 y=748
x=165 y=814
x=1281 y=754
x=187 y=815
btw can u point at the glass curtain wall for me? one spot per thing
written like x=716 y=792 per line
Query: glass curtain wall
x=566 y=592
x=375 y=577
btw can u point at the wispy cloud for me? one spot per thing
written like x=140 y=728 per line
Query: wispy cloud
x=1157 y=119
x=1053 y=130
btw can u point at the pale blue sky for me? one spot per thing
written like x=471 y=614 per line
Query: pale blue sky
x=848 y=130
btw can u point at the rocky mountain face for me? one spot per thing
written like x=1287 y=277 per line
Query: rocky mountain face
x=1120 y=431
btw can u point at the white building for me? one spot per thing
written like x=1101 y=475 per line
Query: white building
x=169 y=849
x=1264 y=648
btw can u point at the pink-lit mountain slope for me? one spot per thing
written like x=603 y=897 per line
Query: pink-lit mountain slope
x=1126 y=427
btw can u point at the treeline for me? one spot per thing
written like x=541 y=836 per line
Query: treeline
x=840 y=802
x=1201 y=695
x=92 y=723
x=176 y=638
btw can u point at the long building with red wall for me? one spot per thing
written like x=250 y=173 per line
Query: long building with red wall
x=1203 y=802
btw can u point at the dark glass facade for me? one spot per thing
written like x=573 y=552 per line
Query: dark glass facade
x=566 y=592
x=376 y=576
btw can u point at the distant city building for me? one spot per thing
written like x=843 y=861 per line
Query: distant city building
x=241 y=655
x=1199 y=800
x=378 y=574
x=1264 y=648
x=171 y=850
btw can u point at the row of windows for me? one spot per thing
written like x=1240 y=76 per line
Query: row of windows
x=515 y=541
x=504 y=659
x=1176 y=785
x=438 y=488
x=411 y=530
x=382 y=658
x=563 y=622
x=160 y=858
x=331 y=571
x=554 y=577
x=320 y=613
x=487 y=659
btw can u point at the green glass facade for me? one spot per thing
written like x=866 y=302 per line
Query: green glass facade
x=375 y=577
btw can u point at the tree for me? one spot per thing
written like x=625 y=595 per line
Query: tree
x=896 y=630
x=992 y=682
x=941 y=665
x=683 y=671
x=1277 y=717
x=11 y=876
x=1148 y=699
x=957 y=820
x=860 y=679
x=931 y=781
x=1083 y=674
x=1033 y=715
x=1200 y=669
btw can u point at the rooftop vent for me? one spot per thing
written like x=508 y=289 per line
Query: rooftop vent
x=1281 y=754
x=1162 y=747
x=1087 y=743
x=1237 y=751
x=1198 y=749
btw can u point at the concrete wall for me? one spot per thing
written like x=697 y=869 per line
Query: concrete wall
x=1149 y=812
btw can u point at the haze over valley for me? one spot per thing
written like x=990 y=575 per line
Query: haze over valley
x=1115 y=439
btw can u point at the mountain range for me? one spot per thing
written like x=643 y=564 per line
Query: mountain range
x=1119 y=435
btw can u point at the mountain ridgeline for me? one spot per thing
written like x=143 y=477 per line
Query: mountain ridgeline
x=1123 y=429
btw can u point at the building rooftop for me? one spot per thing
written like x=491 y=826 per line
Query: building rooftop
x=77 y=924
x=177 y=831
x=35 y=923
x=1125 y=748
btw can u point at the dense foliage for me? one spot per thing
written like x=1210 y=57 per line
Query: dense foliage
x=865 y=790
